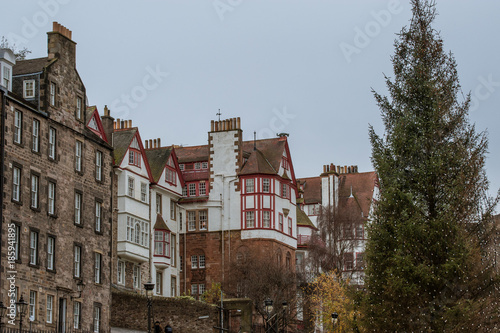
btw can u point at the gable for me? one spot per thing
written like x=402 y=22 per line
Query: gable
x=95 y=124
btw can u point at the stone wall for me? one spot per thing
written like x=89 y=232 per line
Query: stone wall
x=129 y=311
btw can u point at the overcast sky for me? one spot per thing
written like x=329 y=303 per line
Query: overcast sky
x=301 y=67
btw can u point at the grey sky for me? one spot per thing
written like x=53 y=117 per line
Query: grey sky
x=300 y=67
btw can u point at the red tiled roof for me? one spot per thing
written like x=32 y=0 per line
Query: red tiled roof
x=192 y=154
x=312 y=189
x=257 y=164
x=271 y=149
x=362 y=185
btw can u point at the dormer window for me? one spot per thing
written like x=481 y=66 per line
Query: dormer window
x=134 y=158
x=170 y=176
x=29 y=88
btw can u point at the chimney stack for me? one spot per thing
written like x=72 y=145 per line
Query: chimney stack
x=107 y=123
x=60 y=44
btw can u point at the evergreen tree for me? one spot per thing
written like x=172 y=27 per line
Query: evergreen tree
x=427 y=269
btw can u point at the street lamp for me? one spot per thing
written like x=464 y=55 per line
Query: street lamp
x=268 y=305
x=79 y=287
x=22 y=306
x=3 y=310
x=285 y=306
x=335 y=319
x=149 y=294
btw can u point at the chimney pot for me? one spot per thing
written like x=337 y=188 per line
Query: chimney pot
x=121 y=124
x=212 y=126
x=130 y=124
x=159 y=145
x=324 y=168
x=146 y=144
x=238 y=123
x=155 y=143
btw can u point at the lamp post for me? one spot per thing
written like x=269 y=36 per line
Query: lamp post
x=285 y=306
x=335 y=319
x=22 y=306
x=149 y=293
x=3 y=310
x=268 y=306
x=79 y=287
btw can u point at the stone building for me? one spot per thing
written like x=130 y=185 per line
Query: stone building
x=149 y=185
x=346 y=199
x=56 y=193
x=239 y=199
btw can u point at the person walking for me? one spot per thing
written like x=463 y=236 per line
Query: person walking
x=158 y=327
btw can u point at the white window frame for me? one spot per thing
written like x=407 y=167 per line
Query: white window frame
x=98 y=165
x=32 y=305
x=266 y=219
x=131 y=187
x=35 y=136
x=249 y=185
x=194 y=262
x=137 y=276
x=16 y=183
x=120 y=279
x=52 y=93
x=250 y=219
x=7 y=78
x=201 y=261
x=33 y=247
x=51 y=246
x=191 y=221
x=49 y=309
x=192 y=189
x=77 y=261
x=266 y=185
x=78 y=208
x=77 y=312
x=172 y=210
x=18 y=127
x=29 y=88
x=203 y=188
x=203 y=219
x=35 y=185
x=98 y=216
x=52 y=143
x=97 y=267
x=79 y=107
x=159 y=283
x=144 y=192
x=51 y=198
x=97 y=318
x=78 y=155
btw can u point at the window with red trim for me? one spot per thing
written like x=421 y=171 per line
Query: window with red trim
x=170 y=176
x=250 y=219
x=348 y=261
x=280 y=222
x=134 y=157
x=162 y=243
x=290 y=226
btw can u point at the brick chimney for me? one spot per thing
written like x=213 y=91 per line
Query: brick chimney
x=60 y=44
